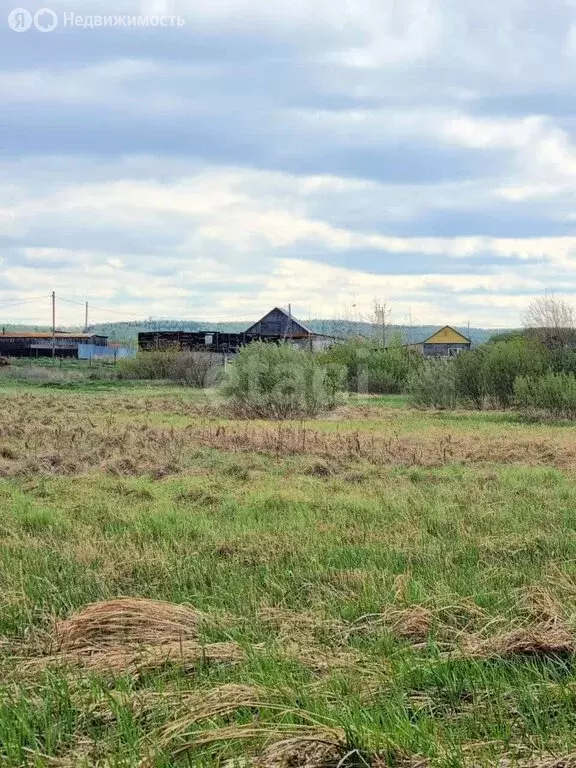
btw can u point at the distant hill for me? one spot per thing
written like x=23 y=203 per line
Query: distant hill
x=127 y=332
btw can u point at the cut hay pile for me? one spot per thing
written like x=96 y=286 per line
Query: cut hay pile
x=127 y=621
x=134 y=636
x=550 y=639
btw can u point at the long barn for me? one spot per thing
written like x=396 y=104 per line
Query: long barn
x=277 y=325
x=44 y=344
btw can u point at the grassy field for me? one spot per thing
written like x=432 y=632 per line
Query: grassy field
x=383 y=587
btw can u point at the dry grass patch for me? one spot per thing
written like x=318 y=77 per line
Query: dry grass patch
x=310 y=752
x=127 y=621
x=287 y=744
x=137 y=636
x=187 y=656
x=221 y=702
x=414 y=624
x=303 y=624
x=549 y=639
x=52 y=436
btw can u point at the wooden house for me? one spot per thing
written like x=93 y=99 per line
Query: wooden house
x=281 y=325
x=447 y=342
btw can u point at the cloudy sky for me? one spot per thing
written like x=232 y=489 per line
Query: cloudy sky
x=318 y=152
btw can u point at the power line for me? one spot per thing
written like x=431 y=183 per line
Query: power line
x=70 y=301
x=103 y=309
x=17 y=302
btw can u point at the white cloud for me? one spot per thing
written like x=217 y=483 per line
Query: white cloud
x=230 y=259
x=352 y=101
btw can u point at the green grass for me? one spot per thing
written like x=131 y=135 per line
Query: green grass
x=481 y=546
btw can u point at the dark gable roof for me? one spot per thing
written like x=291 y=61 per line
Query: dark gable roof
x=288 y=317
x=291 y=317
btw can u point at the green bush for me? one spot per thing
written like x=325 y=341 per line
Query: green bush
x=505 y=361
x=350 y=357
x=190 y=368
x=487 y=373
x=279 y=381
x=553 y=394
x=433 y=385
x=196 y=369
x=373 y=370
x=563 y=360
x=469 y=373
x=147 y=365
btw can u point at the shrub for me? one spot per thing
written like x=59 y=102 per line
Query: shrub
x=551 y=395
x=279 y=381
x=350 y=357
x=505 y=361
x=191 y=368
x=563 y=360
x=470 y=385
x=370 y=370
x=147 y=365
x=195 y=369
x=389 y=369
x=433 y=385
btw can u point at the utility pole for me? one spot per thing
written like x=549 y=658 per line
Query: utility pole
x=53 y=324
x=86 y=319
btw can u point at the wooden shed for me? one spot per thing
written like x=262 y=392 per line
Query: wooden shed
x=447 y=342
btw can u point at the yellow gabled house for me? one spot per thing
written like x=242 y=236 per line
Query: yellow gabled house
x=447 y=342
